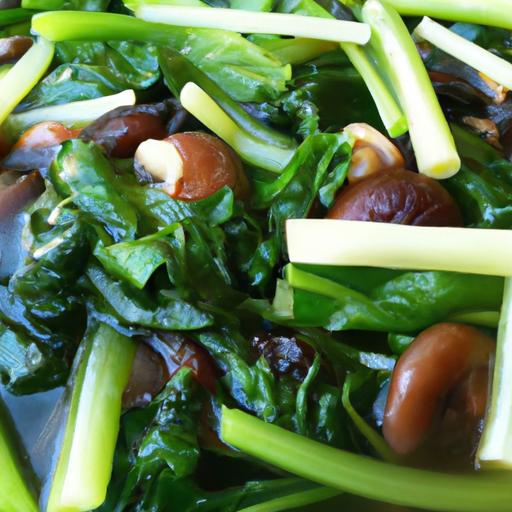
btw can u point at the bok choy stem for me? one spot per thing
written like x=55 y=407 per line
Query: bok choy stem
x=24 y=75
x=495 y=450
x=14 y=493
x=102 y=368
x=468 y=52
x=396 y=53
x=497 y=13
x=364 y=476
x=74 y=115
x=251 y=22
x=250 y=148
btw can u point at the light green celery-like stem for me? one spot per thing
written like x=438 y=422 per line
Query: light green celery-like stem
x=466 y=51
x=397 y=54
x=74 y=115
x=496 y=13
x=251 y=149
x=495 y=450
x=250 y=22
x=15 y=496
x=297 y=50
x=102 y=368
x=46 y=5
x=16 y=15
x=362 y=475
x=102 y=26
x=484 y=318
x=299 y=499
x=24 y=75
x=390 y=112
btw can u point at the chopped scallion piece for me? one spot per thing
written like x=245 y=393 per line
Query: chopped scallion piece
x=251 y=22
x=362 y=475
x=392 y=116
x=470 y=53
x=497 y=13
x=495 y=450
x=377 y=244
x=397 y=54
x=102 y=368
x=24 y=75
x=73 y=115
x=14 y=493
x=251 y=149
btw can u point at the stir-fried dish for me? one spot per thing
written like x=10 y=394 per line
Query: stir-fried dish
x=255 y=255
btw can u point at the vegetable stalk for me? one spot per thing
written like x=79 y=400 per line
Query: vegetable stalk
x=396 y=52
x=24 y=75
x=102 y=368
x=495 y=450
x=257 y=22
x=250 y=148
x=74 y=115
x=389 y=111
x=16 y=15
x=375 y=244
x=468 y=52
x=364 y=476
x=14 y=493
x=497 y=13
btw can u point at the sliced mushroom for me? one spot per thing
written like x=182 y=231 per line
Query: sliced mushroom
x=12 y=48
x=16 y=192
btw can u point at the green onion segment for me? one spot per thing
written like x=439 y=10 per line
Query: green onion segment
x=364 y=476
x=24 y=75
x=73 y=115
x=250 y=148
x=376 y=244
x=470 y=53
x=15 y=496
x=390 y=112
x=102 y=368
x=496 y=13
x=251 y=22
x=396 y=52
x=495 y=450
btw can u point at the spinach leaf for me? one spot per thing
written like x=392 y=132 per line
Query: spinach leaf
x=133 y=306
x=404 y=303
x=82 y=173
x=28 y=366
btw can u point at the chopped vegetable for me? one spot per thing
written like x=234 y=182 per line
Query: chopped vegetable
x=397 y=55
x=24 y=75
x=496 y=13
x=100 y=374
x=495 y=449
x=251 y=22
x=363 y=476
x=375 y=244
x=14 y=492
x=75 y=115
x=494 y=67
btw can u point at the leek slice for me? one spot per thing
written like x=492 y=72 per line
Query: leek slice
x=76 y=114
x=24 y=75
x=250 y=22
x=361 y=475
x=495 y=450
x=376 y=244
x=497 y=13
x=15 y=496
x=204 y=108
x=395 y=50
x=470 y=53
x=102 y=368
